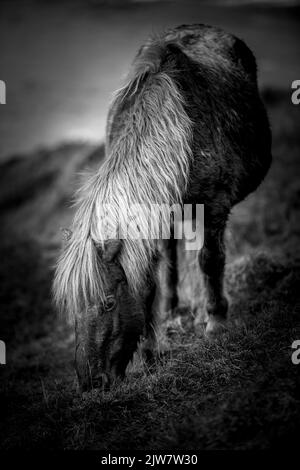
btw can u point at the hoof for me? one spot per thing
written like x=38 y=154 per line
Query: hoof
x=149 y=353
x=215 y=326
x=150 y=356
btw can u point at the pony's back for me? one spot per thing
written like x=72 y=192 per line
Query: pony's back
x=216 y=76
x=231 y=133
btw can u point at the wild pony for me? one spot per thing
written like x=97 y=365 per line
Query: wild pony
x=188 y=127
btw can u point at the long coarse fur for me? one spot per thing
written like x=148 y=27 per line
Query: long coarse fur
x=147 y=162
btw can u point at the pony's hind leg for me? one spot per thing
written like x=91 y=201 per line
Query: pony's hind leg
x=212 y=263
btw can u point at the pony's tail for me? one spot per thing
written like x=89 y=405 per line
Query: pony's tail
x=77 y=282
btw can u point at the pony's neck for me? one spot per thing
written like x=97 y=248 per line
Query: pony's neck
x=148 y=164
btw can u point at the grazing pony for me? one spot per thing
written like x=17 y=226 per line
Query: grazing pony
x=187 y=127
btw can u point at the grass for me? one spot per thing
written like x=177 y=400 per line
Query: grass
x=237 y=392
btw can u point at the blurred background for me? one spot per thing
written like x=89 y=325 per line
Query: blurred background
x=61 y=60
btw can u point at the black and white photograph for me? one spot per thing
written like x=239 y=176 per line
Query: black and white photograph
x=150 y=229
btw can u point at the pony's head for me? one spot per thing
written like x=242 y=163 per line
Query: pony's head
x=107 y=332
x=109 y=317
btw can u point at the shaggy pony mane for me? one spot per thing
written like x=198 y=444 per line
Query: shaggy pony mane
x=148 y=156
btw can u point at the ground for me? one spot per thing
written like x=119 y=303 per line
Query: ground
x=236 y=392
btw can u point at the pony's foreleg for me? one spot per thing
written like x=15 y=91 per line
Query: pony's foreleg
x=149 y=345
x=212 y=263
x=168 y=278
x=162 y=299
